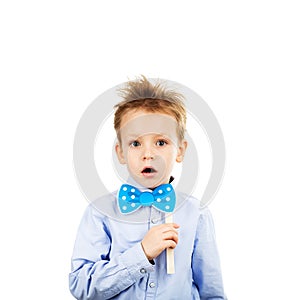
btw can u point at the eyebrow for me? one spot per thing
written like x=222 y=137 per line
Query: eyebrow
x=136 y=136
x=132 y=137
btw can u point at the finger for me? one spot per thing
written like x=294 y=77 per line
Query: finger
x=171 y=236
x=173 y=225
x=170 y=244
x=169 y=227
x=166 y=225
x=170 y=233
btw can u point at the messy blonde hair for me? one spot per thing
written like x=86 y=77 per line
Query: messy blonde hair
x=142 y=94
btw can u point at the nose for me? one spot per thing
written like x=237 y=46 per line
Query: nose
x=148 y=157
x=148 y=154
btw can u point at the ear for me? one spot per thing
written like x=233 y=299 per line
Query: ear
x=181 y=151
x=120 y=153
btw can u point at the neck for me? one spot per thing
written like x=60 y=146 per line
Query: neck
x=131 y=181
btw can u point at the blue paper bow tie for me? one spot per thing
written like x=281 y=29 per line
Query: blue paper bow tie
x=162 y=198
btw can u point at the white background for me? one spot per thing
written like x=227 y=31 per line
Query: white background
x=241 y=57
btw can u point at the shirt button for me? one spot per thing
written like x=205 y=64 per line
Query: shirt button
x=152 y=284
x=153 y=221
x=143 y=271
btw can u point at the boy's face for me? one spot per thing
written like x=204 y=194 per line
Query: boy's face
x=149 y=146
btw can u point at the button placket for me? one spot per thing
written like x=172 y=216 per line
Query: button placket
x=153 y=221
x=155 y=217
x=152 y=286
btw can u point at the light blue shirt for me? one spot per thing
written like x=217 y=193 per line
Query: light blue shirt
x=108 y=261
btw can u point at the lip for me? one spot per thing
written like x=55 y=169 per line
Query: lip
x=148 y=171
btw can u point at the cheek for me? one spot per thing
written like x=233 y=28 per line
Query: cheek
x=172 y=154
x=127 y=152
x=169 y=158
x=131 y=157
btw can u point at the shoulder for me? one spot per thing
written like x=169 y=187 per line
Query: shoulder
x=190 y=202
x=102 y=207
x=190 y=207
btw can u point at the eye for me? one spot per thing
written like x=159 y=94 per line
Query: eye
x=161 y=143
x=135 y=144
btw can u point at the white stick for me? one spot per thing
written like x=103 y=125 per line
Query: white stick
x=170 y=252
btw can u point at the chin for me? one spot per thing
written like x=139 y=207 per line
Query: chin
x=151 y=184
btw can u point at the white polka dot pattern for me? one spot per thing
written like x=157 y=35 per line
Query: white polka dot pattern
x=130 y=198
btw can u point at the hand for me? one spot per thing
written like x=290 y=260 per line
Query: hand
x=159 y=238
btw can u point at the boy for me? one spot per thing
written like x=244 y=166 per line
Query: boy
x=122 y=256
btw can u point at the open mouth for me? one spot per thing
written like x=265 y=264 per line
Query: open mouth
x=148 y=170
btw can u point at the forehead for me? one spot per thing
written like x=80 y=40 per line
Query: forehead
x=139 y=123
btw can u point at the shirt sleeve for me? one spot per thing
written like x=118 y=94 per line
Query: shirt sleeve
x=96 y=275
x=205 y=261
